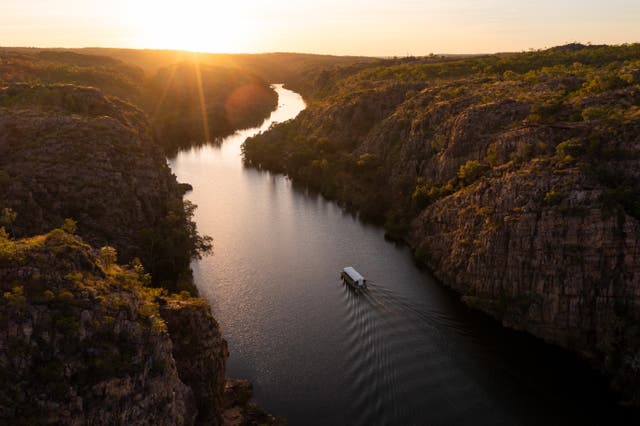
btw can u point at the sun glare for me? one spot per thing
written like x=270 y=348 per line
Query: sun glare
x=195 y=25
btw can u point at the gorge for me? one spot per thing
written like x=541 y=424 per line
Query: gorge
x=511 y=179
x=405 y=352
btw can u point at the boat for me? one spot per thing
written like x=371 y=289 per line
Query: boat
x=353 y=278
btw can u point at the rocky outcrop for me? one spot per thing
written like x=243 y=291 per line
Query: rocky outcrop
x=565 y=271
x=83 y=340
x=200 y=353
x=71 y=152
x=514 y=178
x=83 y=343
x=240 y=410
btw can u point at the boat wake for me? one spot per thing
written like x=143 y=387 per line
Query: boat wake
x=398 y=364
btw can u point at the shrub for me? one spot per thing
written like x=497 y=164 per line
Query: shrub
x=439 y=142
x=426 y=194
x=523 y=153
x=552 y=197
x=547 y=112
x=594 y=113
x=573 y=147
x=108 y=257
x=492 y=155
x=16 y=297
x=471 y=171
x=70 y=226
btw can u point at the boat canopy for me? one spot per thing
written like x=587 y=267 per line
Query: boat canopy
x=353 y=274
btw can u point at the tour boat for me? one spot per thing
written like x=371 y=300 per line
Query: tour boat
x=353 y=278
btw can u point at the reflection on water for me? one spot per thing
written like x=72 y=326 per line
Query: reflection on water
x=404 y=352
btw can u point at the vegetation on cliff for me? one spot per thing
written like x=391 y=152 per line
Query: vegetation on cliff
x=514 y=177
x=86 y=341
x=71 y=152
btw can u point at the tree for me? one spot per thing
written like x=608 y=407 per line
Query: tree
x=471 y=171
x=70 y=226
x=108 y=257
x=7 y=218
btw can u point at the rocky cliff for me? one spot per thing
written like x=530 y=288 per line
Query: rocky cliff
x=71 y=152
x=200 y=353
x=83 y=341
x=513 y=177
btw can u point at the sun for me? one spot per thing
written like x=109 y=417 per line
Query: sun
x=194 y=25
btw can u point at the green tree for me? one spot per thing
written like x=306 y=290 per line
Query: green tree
x=70 y=226
x=108 y=257
x=7 y=218
x=471 y=171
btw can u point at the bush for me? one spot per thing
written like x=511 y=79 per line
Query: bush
x=471 y=171
x=108 y=257
x=69 y=226
x=16 y=297
x=595 y=113
x=553 y=197
x=439 y=142
x=524 y=153
x=492 y=155
x=573 y=147
x=427 y=194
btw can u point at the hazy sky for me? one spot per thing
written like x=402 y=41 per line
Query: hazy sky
x=371 y=27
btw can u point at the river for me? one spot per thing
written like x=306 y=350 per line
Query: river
x=404 y=352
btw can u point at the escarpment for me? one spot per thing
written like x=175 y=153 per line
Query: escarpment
x=71 y=152
x=200 y=353
x=515 y=178
x=83 y=340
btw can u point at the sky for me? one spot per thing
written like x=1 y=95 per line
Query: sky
x=357 y=27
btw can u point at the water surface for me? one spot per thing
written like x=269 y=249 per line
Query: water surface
x=405 y=352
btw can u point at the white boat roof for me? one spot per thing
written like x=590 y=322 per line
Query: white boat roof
x=353 y=274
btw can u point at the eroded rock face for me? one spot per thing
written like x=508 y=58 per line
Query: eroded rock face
x=80 y=344
x=71 y=152
x=200 y=353
x=240 y=410
x=568 y=273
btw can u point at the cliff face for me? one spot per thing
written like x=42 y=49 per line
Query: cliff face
x=83 y=340
x=71 y=152
x=567 y=273
x=200 y=353
x=87 y=342
x=82 y=343
x=514 y=178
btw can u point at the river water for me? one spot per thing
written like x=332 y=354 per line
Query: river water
x=406 y=352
